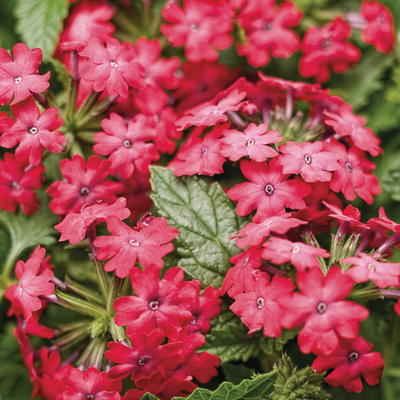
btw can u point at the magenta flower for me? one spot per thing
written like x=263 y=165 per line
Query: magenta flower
x=252 y=143
x=83 y=185
x=127 y=245
x=33 y=131
x=350 y=361
x=309 y=160
x=127 y=145
x=144 y=357
x=19 y=78
x=74 y=225
x=113 y=69
x=260 y=307
x=321 y=308
x=158 y=303
x=300 y=255
x=17 y=185
x=269 y=191
x=366 y=268
x=345 y=123
x=91 y=384
x=24 y=297
x=384 y=221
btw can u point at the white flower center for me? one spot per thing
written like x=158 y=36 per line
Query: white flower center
x=134 y=243
x=260 y=302
x=153 y=305
x=127 y=143
x=250 y=142
x=353 y=356
x=17 y=80
x=307 y=159
x=114 y=64
x=321 y=307
x=296 y=249
x=33 y=130
x=269 y=189
x=15 y=185
x=85 y=191
x=371 y=267
x=194 y=27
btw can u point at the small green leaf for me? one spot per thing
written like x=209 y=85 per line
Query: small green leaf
x=40 y=23
x=257 y=388
x=205 y=218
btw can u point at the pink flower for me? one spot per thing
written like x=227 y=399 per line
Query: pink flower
x=255 y=234
x=211 y=112
x=126 y=245
x=17 y=185
x=379 y=29
x=127 y=145
x=250 y=143
x=321 y=308
x=91 y=384
x=201 y=26
x=327 y=48
x=269 y=190
x=19 y=78
x=160 y=73
x=309 y=160
x=113 y=69
x=366 y=268
x=345 y=123
x=74 y=225
x=239 y=278
x=260 y=307
x=354 y=175
x=384 y=221
x=144 y=357
x=158 y=303
x=200 y=156
x=350 y=214
x=83 y=185
x=302 y=256
x=351 y=360
x=24 y=297
x=33 y=130
x=267 y=31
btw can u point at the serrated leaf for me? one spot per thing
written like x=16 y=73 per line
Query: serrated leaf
x=268 y=345
x=149 y=396
x=231 y=343
x=235 y=373
x=40 y=23
x=205 y=218
x=257 y=388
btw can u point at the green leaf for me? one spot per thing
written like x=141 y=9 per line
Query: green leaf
x=257 y=388
x=149 y=396
x=205 y=218
x=40 y=23
x=390 y=181
x=235 y=373
x=63 y=75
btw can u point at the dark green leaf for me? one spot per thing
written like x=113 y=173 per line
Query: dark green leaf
x=205 y=218
x=63 y=75
x=235 y=373
x=149 y=396
x=40 y=23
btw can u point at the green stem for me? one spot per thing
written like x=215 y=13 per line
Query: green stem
x=72 y=337
x=115 y=288
x=96 y=358
x=102 y=277
x=117 y=332
x=88 y=105
x=83 y=291
x=71 y=105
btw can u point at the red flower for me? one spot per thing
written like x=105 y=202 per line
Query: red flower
x=152 y=103
x=74 y=225
x=211 y=112
x=350 y=214
x=200 y=156
x=366 y=268
x=354 y=175
x=384 y=221
x=250 y=143
x=201 y=82
x=326 y=48
x=114 y=68
x=32 y=130
x=32 y=326
x=24 y=297
x=267 y=31
x=201 y=26
x=19 y=78
x=144 y=357
x=83 y=185
x=160 y=73
x=239 y=278
x=255 y=234
x=126 y=245
x=302 y=256
x=126 y=144
x=260 y=307
x=158 y=303
x=309 y=160
x=379 y=29
x=17 y=184
x=269 y=190
x=91 y=384
x=351 y=360
x=345 y=123
x=322 y=310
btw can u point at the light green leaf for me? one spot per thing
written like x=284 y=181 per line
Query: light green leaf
x=390 y=181
x=205 y=218
x=40 y=23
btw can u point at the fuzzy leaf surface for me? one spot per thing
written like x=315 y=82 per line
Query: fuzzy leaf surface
x=205 y=218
